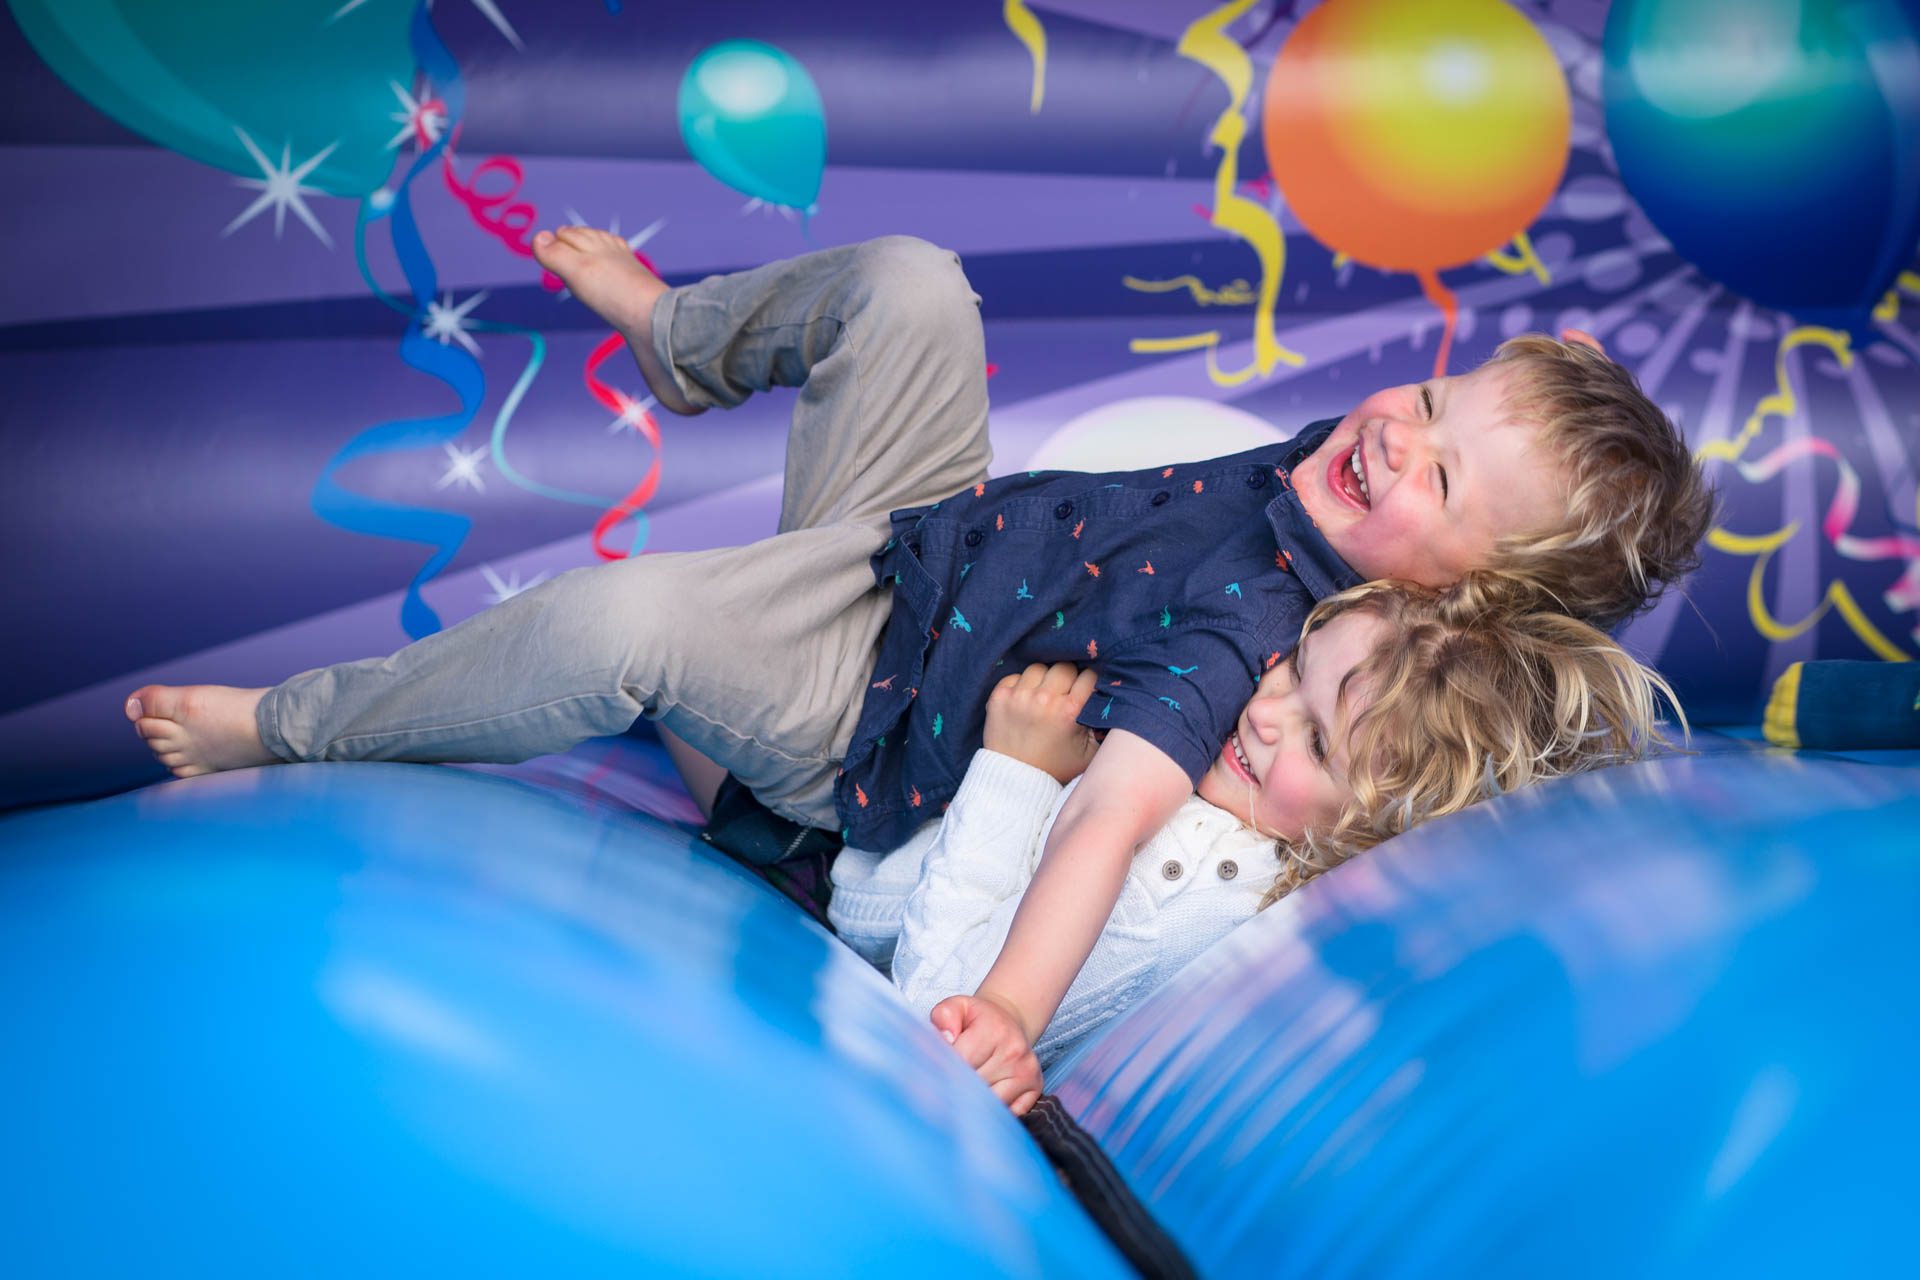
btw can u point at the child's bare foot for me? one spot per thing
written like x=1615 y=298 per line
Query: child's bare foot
x=199 y=728
x=603 y=273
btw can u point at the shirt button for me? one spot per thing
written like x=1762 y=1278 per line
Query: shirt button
x=1160 y=498
x=973 y=537
x=913 y=547
x=1062 y=511
x=1229 y=869
x=1257 y=478
x=1170 y=869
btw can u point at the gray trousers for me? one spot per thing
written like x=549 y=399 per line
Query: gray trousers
x=758 y=656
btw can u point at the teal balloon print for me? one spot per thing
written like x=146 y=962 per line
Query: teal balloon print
x=296 y=76
x=752 y=117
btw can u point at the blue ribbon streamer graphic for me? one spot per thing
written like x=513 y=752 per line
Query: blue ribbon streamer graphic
x=444 y=531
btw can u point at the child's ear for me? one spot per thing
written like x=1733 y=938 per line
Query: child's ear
x=1580 y=337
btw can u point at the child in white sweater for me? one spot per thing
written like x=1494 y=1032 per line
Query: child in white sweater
x=1398 y=704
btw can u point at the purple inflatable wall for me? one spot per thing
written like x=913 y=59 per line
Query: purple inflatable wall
x=238 y=447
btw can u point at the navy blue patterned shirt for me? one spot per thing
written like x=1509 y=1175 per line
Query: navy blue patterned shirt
x=1178 y=585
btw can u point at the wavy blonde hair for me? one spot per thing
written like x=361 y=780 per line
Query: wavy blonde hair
x=1637 y=506
x=1471 y=694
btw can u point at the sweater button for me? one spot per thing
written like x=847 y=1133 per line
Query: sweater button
x=1062 y=511
x=973 y=537
x=1229 y=869
x=1170 y=869
x=1160 y=499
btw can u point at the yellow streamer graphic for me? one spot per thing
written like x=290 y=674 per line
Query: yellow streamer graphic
x=1888 y=308
x=1207 y=43
x=1234 y=293
x=1782 y=403
x=1023 y=24
x=1522 y=259
x=1837 y=597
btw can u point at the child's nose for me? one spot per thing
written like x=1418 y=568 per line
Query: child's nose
x=1393 y=444
x=1406 y=445
x=1265 y=717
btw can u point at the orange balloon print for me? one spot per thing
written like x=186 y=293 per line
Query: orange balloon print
x=1414 y=135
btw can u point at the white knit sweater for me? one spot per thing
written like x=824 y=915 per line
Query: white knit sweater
x=937 y=909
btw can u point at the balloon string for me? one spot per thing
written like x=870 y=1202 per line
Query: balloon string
x=1443 y=298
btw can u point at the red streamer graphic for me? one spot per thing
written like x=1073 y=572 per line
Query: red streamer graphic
x=497 y=213
x=511 y=222
x=644 y=423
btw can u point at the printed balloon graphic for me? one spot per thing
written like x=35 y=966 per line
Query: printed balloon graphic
x=752 y=117
x=1415 y=135
x=299 y=78
x=1776 y=143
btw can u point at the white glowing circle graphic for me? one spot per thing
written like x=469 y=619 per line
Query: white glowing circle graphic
x=1152 y=431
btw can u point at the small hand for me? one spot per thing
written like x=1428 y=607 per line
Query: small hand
x=1033 y=718
x=990 y=1038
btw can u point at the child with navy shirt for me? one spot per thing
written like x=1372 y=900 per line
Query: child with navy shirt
x=840 y=668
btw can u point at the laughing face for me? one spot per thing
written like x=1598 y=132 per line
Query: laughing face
x=1420 y=482
x=1284 y=766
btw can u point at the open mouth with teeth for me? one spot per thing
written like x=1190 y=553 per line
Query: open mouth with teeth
x=1348 y=477
x=1236 y=757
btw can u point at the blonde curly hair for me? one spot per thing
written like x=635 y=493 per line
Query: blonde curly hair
x=1471 y=694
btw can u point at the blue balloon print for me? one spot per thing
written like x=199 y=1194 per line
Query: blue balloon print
x=1788 y=171
x=752 y=117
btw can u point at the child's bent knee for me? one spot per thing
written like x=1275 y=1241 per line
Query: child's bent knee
x=917 y=283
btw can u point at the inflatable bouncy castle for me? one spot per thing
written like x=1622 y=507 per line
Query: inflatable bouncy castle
x=286 y=387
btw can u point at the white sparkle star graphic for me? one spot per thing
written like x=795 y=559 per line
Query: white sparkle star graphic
x=505 y=589
x=756 y=204
x=632 y=412
x=487 y=8
x=280 y=189
x=446 y=323
x=463 y=467
x=423 y=120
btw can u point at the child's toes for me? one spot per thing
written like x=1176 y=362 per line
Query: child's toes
x=189 y=770
x=160 y=702
x=159 y=734
x=582 y=239
x=560 y=251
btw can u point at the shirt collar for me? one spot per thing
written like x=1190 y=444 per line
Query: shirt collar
x=1306 y=550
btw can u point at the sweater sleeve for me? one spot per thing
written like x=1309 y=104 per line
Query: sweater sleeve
x=971 y=878
x=870 y=893
x=958 y=916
